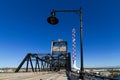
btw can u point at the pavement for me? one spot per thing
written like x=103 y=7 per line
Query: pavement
x=34 y=76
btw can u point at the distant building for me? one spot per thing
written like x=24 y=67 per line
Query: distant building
x=105 y=73
x=1 y=71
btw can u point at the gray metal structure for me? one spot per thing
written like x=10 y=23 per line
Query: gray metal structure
x=58 y=59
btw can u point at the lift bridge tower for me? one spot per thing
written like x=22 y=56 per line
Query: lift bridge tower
x=59 y=50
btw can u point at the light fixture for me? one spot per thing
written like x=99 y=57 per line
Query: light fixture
x=52 y=19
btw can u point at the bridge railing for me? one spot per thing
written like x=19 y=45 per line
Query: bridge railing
x=86 y=76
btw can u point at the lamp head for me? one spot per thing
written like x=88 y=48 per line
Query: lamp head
x=52 y=19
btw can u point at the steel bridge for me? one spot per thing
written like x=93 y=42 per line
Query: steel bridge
x=57 y=60
x=46 y=62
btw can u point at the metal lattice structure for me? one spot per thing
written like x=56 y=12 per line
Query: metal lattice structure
x=74 y=45
x=38 y=62
x=58 y=59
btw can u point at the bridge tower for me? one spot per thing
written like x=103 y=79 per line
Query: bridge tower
x=74 y=47
x=61 y=58
x=59 y=46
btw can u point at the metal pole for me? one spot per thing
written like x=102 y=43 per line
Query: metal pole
x=81 y=46
x=81 y=43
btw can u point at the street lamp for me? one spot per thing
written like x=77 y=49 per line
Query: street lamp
x=53 y=20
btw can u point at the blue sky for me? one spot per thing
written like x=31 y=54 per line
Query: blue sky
x=24 y=29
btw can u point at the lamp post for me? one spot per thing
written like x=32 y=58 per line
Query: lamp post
x=53 y=20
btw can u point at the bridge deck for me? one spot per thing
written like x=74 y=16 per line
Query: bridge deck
x=34 y=76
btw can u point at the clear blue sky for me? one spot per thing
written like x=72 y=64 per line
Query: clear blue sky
x=24 y=29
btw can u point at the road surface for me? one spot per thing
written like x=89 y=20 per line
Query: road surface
x=34 y=76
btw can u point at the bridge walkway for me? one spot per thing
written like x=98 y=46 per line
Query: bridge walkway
x=34 y=76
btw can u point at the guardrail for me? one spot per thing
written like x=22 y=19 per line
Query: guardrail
x=86 y=76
